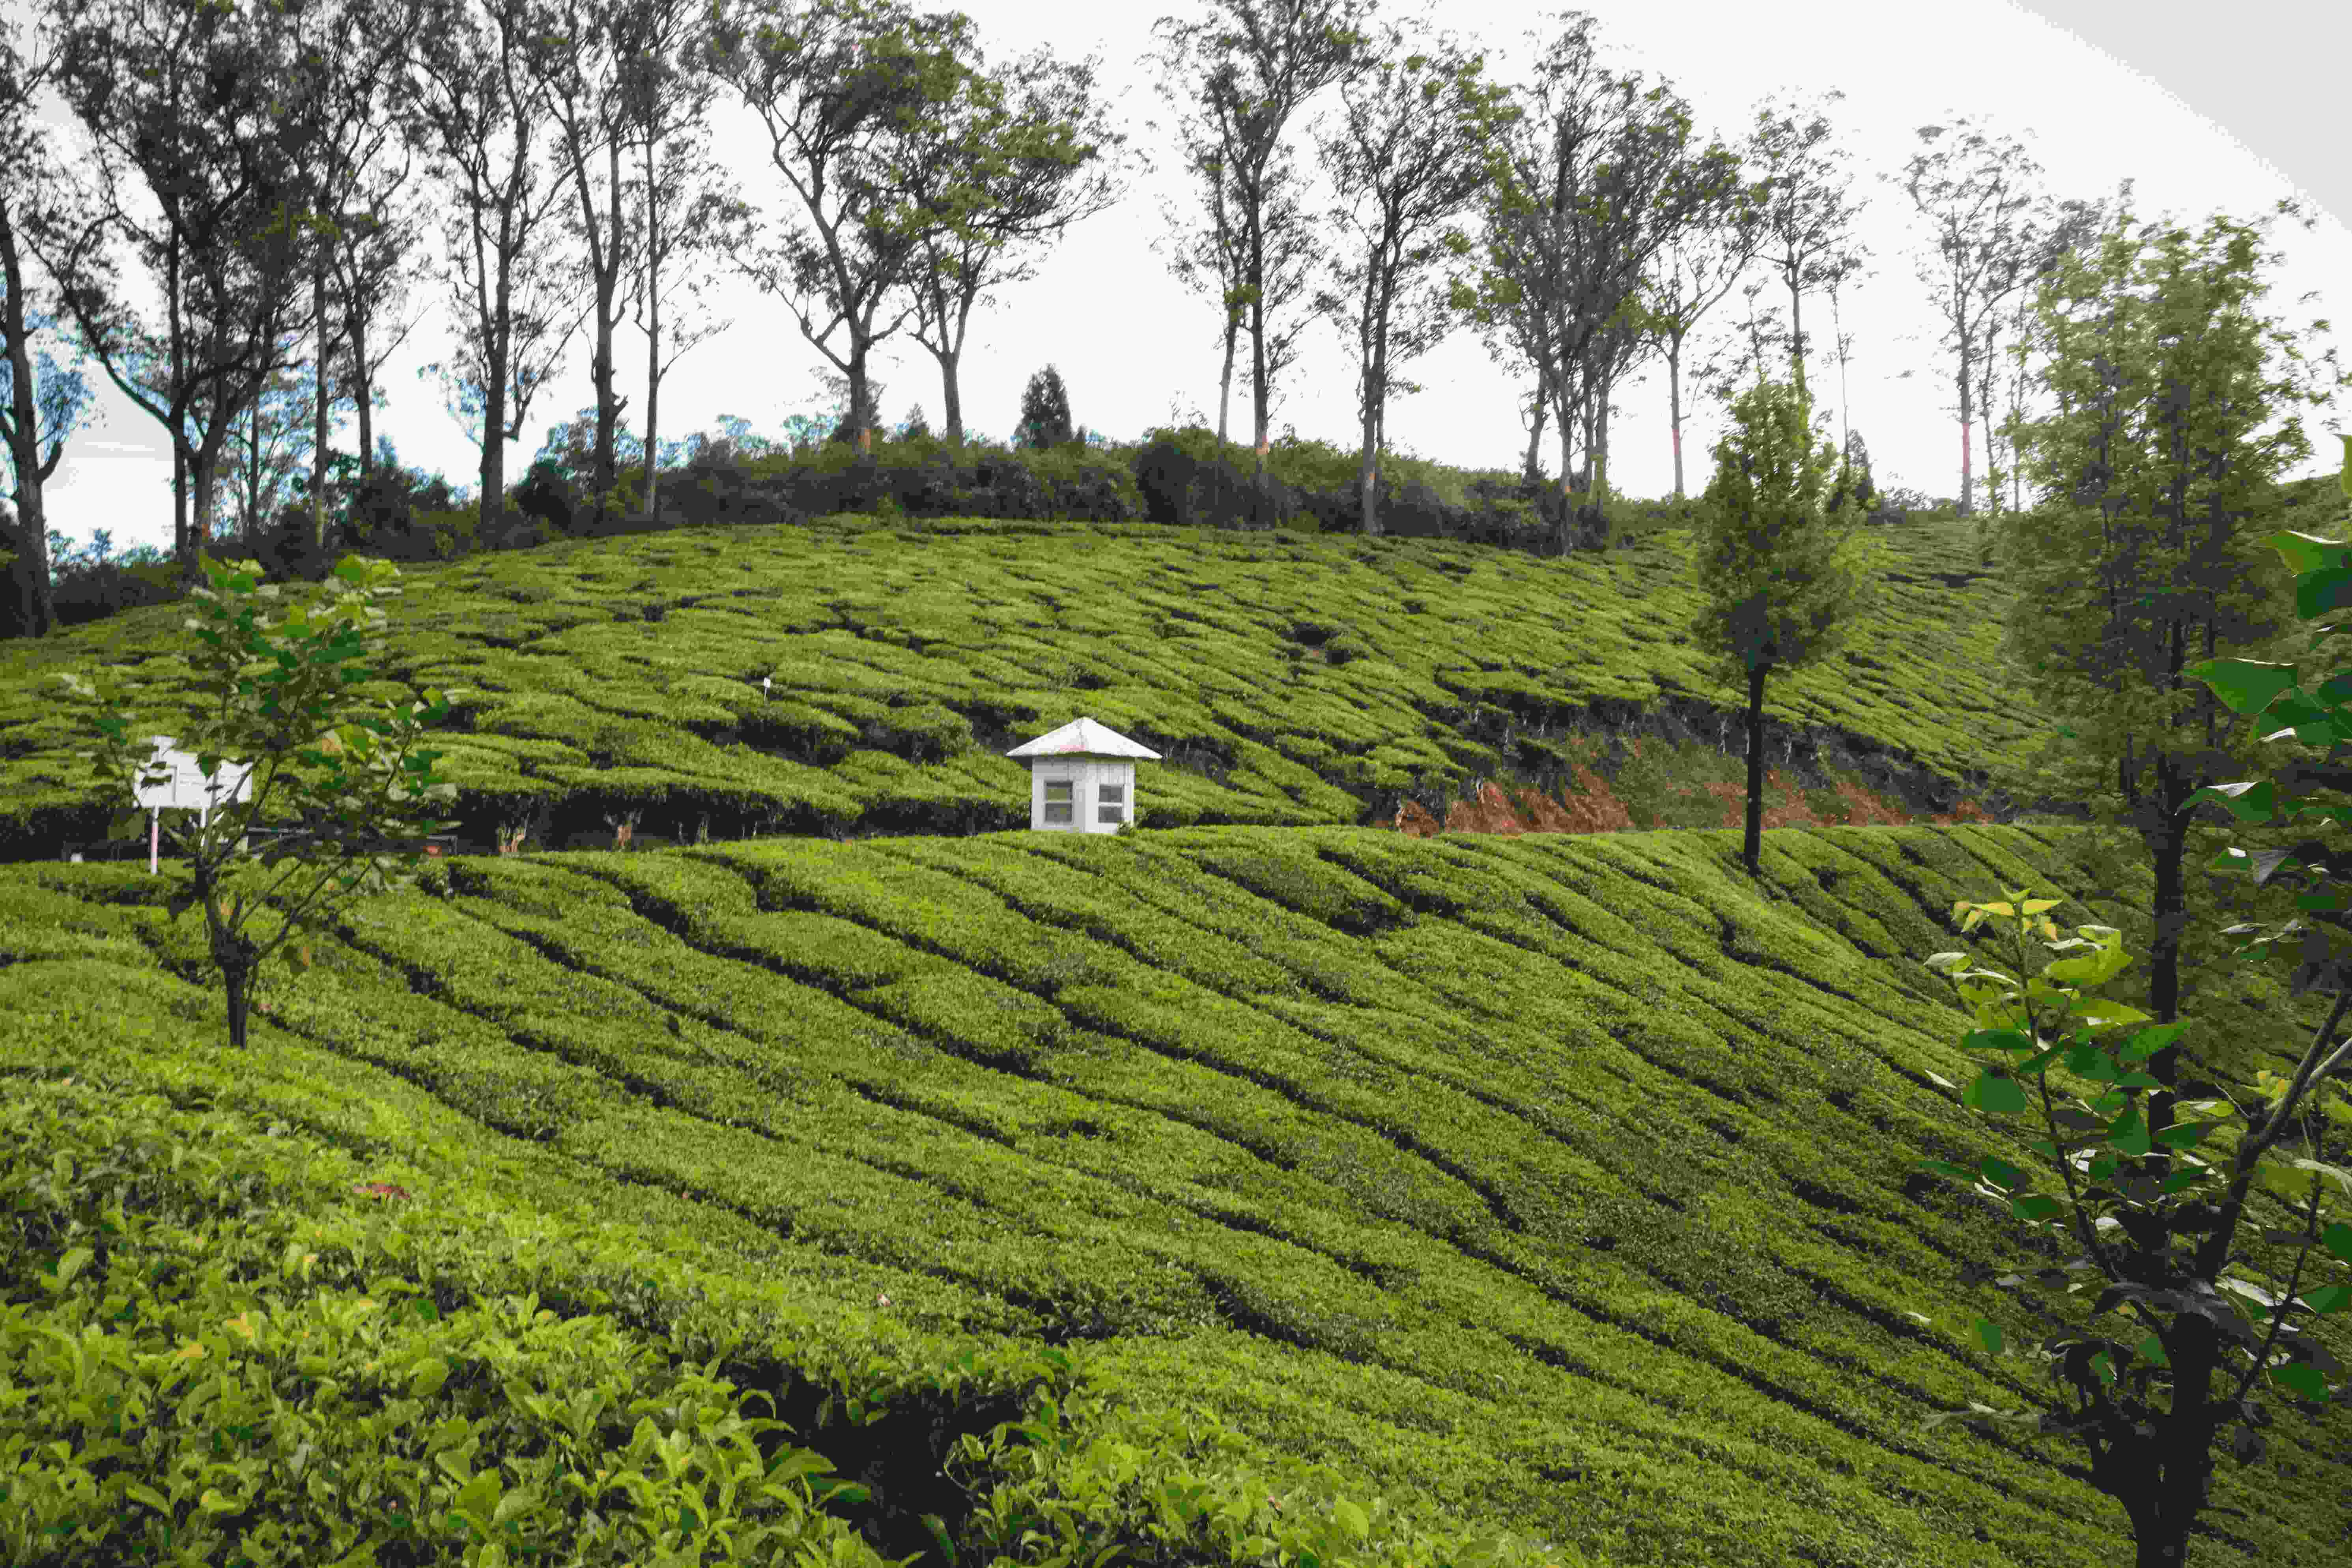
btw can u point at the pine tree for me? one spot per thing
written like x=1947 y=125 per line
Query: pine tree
x=1044 y=413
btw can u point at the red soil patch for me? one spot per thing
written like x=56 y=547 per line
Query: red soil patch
x=1593 y=808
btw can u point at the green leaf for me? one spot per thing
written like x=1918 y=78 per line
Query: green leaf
x=2001 y=1172
x=1990 y=1334
x=2308 y=552
x=1994 y=1096
x=2305 y=1381
x=2245 y=685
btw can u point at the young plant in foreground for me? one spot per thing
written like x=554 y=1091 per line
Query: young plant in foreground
x=281 y=699
x=2175 y=1241
x=2160 y=1465
x=2268 y=692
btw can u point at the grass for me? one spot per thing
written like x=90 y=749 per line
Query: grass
x=1294 y=1179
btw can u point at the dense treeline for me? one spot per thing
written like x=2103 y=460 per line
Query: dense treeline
x=297 y=148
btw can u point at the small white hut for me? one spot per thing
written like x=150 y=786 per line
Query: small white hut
x=1082 y=778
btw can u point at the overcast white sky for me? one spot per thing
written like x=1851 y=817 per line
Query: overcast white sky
x=2204 y=116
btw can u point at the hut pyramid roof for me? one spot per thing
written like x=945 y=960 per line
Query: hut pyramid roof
x=1083 y=735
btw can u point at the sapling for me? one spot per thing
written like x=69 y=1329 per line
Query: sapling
x=281 y=697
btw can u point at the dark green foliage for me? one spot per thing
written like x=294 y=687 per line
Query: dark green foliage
x=388 y=499
x=1857 y=457
x=1331 y=512
x=548 y=494
x=1012 y=488
x=17 y=579
x=1179 y=487
x=1163 y=475
x=915 y=429
x=723 y=493
x=1045 y=414
x=85 y=590
x=290 y=551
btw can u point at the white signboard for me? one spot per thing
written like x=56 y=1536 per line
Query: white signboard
x=186 y=790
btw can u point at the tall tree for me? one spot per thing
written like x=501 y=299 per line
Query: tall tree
x=1610 y=184
x=1611 y=354
x=473 y=79
x=1740 y=231
x=2145 y=559
x=267 y=450
x=2075 y=232
x=186 y=96
x=851 y=84
x=341 y=61
x=1807 y=219
x=1779 y=586
x=1533 y=269
x=596 y=91
x=1423 y=161
x=1223 y=254
x=684 y=209
x=1016 y=187
x=1842 y=341
x=1286 y=51
x=1986 y=251
x=39 y=410
x=369 y=271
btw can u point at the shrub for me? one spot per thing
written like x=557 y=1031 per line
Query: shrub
x=1165 y=476
x=548 y=495
x=386 y=500
x=291 y=550
x=1009 y=487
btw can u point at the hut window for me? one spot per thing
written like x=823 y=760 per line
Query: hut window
x=1111 y=803
x=1058 y=800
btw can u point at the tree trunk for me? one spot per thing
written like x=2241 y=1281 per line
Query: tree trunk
x=954 y=393
x=602 y=466
x=36 y=603
x=1596 y=482
x=1796 y=354
x=1533 y=472
x=1753 y=844
x=1568 y=417
x=317 y=408
x=493 y=401
x=205 y=481
x=1968 y=413
x=2165 y=828
x=652 y=337
x=363 y=388
x=1674 y=406
x=1225 y=381
x=2163 y=1478
x=183 y=550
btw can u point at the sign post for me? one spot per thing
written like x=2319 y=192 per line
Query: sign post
x=188 y=789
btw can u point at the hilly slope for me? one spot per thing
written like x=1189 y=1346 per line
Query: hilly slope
x=1287 y=679
x=1559 y=1191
